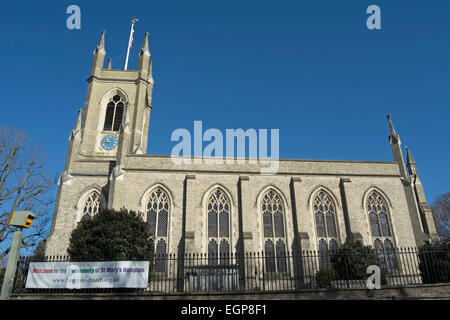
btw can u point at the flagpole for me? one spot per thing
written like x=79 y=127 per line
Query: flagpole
x=130 y=41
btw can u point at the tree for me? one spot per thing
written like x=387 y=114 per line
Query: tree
x=2 y=271
x=111 y=236
x=39 y=252
x=441 y=214
x=25 y=184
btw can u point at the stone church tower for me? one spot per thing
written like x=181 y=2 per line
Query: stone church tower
x=114 y=123
x=225 y=208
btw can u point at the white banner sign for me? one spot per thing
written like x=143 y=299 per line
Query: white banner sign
x=80 y=275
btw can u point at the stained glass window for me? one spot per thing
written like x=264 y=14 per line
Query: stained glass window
x=281 y=256
x=323 y=253
x=212 y=252
x=224 y=252
x=381 y=231
x=161 y=256
x=324 y=212
x=268 y=226
x=269 y=252
x=272 y=209
x=331 y=227
x=218 y=207
x=320 y=225
x=158 y=220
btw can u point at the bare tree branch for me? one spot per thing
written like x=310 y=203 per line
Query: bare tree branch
x=25 y=184
x=441 y=214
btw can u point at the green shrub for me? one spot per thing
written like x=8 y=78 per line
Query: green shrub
x=352 y=259
x=434 y=262
x=111 y=236
x=324 y=277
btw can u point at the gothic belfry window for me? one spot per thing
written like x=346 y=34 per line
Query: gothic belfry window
x=158 y=220
x=91 y=206
x=381 y=231
x=114 y=114
x=324 y=215
x=218 y=211
x=273 y=214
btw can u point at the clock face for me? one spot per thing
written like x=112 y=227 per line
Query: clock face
x=109 y=142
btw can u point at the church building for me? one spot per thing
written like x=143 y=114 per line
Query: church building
x=230 y=207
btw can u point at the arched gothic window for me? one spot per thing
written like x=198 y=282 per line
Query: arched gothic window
x=218 y=211
x=381 y=231
x=272 y=210
x=158 y=220
x=91 y=206
x=327 y=238
x=114 y=114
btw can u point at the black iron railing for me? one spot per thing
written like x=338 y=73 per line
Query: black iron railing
x=256 y=272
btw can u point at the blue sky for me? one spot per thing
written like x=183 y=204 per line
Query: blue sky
x=308 y=68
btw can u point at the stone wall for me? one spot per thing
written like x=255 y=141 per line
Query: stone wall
x=441 y=292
